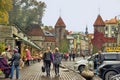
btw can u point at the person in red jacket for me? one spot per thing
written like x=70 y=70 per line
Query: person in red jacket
x=28 y=57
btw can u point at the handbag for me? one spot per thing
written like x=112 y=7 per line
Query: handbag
x=43 y=69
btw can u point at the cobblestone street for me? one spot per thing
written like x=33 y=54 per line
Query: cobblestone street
x=34 y=72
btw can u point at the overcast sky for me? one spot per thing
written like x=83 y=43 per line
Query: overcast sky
x=77 y=14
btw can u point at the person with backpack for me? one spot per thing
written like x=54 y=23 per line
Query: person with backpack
x=57 y=61
x=15 y=62
x=47 y=59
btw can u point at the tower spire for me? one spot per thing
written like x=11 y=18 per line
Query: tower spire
x=86 y=32
x=98 y=10
x=59 y=12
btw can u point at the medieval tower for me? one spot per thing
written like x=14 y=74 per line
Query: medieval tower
x=59 y=30
x=99 y=24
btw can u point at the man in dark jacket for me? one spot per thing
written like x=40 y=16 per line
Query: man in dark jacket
x=100 y=58
x=57 y=61
x=15 y=64
x=47 y=58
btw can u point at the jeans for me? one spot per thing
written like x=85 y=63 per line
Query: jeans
x=12 y=71
x=47 y=67
x=28 y=62
x=56 y=69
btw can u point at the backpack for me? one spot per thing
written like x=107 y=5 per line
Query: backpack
x=48 y=56
x=57 y=58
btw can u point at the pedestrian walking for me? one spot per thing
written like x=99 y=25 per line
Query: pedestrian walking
x=66 y=55
x=15 y=62
x=70 y=56
x=28 y=57
x=73 y=56
x=96 y=64
x=47 y=59
x=4 y=66
x=57 y=61
x=100 y=58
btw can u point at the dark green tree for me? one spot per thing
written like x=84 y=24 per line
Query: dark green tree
x=26 y=12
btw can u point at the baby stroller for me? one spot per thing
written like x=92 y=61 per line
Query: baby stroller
x=5 y=67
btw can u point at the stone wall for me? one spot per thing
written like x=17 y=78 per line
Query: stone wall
x=5 y=31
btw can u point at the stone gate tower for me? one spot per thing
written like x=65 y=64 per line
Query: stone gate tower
x=59 y=30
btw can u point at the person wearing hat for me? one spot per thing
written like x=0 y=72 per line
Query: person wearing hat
x=15 y=62
x=4 y=66
x=57 y=61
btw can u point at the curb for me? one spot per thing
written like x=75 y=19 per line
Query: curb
x=63 y=66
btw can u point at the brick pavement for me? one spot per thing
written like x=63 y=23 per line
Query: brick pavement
x=34 y=72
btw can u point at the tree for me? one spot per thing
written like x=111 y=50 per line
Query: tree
x=64 y=46
x=26 y=12
x=2 y=47
x=5 y=6
x=95 y=49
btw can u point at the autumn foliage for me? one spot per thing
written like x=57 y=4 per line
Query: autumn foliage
x=5 y=6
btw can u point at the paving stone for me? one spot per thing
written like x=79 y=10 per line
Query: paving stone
x=33 y=72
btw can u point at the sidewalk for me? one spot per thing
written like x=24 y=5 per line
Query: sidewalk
x=70 y=65
x=34 y=72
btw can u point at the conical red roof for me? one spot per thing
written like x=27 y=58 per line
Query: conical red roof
x=99 y=21
x=60 y=23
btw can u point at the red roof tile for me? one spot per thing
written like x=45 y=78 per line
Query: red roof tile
x=35 y=30
x=99 y=21
x=50 y=39
x=111 y=21
x=60 y=23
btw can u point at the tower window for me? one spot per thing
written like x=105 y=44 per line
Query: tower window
x=106 y=28
x=113 y=28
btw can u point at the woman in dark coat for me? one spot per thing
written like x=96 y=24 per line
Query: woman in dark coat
x=4 y=66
